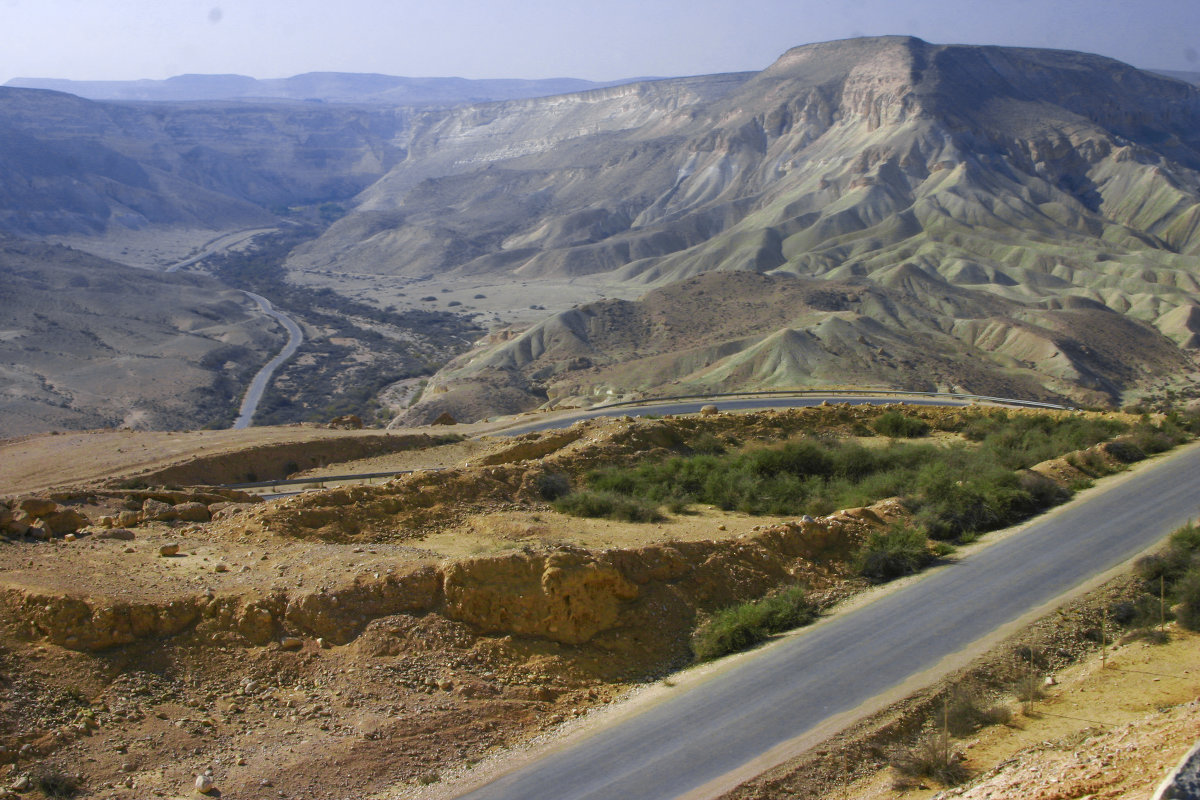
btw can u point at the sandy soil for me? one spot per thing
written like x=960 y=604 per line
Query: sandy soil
x=1102 y=732
x=43 y=461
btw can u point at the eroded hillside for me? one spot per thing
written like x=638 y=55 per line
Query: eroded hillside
x=1042 y=179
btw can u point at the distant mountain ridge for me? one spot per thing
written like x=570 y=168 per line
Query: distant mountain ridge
x=332 y=87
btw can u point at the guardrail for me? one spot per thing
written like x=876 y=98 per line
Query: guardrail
x=319 y=483
x=821 y=392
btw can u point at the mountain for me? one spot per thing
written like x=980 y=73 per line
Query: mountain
x=1190 y=77
x=88 y=343
x=726 y=331
x=1034 y=176
x=74 y=166
x=1008 y=220
x=332 y=87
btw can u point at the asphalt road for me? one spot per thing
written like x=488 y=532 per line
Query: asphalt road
x=262 y=380
x=694 y=406
x=699 y=742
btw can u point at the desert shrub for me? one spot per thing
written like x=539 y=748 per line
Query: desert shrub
x=1187 y=593
x=1125 y=451
x=893 y=553
x=55 y=783
x=900 y=426
x=930 y=757
x=551 y=486
x=967 y=710
x=742 y=626
x=608 y=505
x=707 y=444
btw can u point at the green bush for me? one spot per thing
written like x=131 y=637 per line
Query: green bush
x=742 y=626
x=900 y=426
x=608 y=505
x=893 y=553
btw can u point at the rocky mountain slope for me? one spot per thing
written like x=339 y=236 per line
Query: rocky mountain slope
x=87 y=343
x=73 y=166
x=1032 y=176
x=731 y=331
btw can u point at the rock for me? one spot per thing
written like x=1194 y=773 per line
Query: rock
x=221 y=567
x=709 y=410
x=169 y=549
x=127 y=519
x=350 y=422
x=159 y=511
x=445 y=418
x=22 y=784
x=204 y=784
x=192 y=512
x=291 y=643
x=38 y=532
x=70 y=537
x=65 y=521
x=37 y=507
x=120 y=534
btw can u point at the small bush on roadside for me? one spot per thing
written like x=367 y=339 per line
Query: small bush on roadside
x=607 y=505
x=740 y=627
x=900 y=426
x=1187 y=592
x=967 y=710
x=894 y=553
x=930 y=757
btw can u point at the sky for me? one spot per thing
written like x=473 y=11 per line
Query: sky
x=596 y=39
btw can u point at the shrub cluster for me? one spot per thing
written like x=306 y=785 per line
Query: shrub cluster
x=894 y=553
x=1176 y=570
x=743 y=626
x=899 y=426
x=608 y=505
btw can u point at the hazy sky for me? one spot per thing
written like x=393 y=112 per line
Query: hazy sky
x=597 y=39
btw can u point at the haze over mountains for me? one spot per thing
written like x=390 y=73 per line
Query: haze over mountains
x=333 y=87
x=873 y=211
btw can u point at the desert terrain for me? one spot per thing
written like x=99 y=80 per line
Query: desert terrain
x=389 y=640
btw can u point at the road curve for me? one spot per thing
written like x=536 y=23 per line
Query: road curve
x=700 y=743
x=725 y=404
x=262 y=380
x=222 y=242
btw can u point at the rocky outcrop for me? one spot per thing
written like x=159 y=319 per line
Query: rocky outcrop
x=613 y=598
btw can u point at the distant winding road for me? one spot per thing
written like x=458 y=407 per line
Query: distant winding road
x=262 y=380
x=775 y=704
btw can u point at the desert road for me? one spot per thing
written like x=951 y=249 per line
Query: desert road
x=262 y=380
x=713 y=736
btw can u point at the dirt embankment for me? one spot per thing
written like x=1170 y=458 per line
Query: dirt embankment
x=639 y=603
x=271 y=462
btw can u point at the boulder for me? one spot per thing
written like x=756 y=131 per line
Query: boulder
x=158 y=511
x=65 y=521
x=445 y=418
x=350 y=422
x=709 y=410
x=127 y=519
x=192 y=512
x=120 y=534
x=37 y=507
